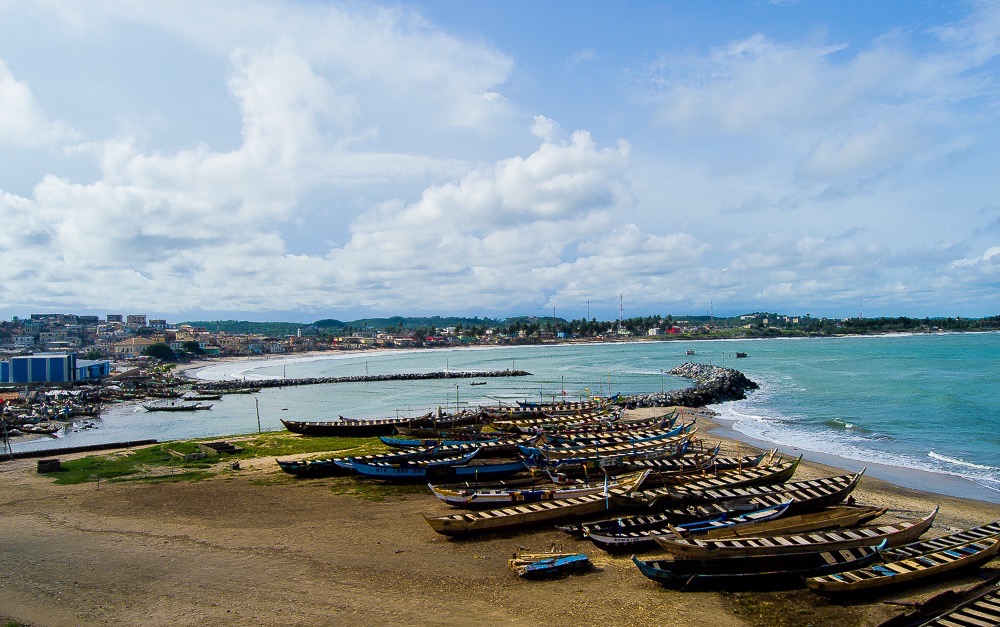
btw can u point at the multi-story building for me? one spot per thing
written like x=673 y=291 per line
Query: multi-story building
x=135 y=321
x=24 y=340
x=132 y=347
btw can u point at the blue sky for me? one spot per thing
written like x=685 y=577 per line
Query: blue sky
x=306 y=160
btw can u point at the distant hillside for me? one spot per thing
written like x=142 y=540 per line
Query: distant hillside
x=759 y=324
x=412 y=322
x=280 y=329
x=275 y=329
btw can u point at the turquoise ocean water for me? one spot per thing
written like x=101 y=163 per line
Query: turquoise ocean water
x=918 y=402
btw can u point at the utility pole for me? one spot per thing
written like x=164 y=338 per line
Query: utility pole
x=6 y=439
x=621 y=311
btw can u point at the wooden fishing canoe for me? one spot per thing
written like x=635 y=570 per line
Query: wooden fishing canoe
x=701 y=490
x=610 y=448
x=455 y=469
x=872 y=535
x=516 y=516
x=615 y=427
x=333 y=466
x=568 y=448
x=472 y=498
x=634 y=541
x=828 y=518
x=753 y=573
x=709 y=463
x=976 y=606
x=805 y=496
x=835 y=489
x=345 y=428
x=909 y=569
x=913 y=549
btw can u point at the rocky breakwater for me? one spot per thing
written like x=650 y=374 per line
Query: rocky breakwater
x=712 y=384
x=236 y=385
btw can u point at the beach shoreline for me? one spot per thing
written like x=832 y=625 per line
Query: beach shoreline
x=256 y=545
x=913 y=478
x=924 y=480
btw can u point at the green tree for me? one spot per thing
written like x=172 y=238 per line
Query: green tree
x=193 y=347
x=160 y=351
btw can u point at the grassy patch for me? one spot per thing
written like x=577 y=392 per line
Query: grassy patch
x=115 y=466
x=278 y=443
x=156 y=463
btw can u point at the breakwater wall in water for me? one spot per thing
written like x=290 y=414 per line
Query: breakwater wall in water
x=712 y=384
x=227 y=386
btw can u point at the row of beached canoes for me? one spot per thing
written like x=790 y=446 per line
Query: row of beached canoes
x=477 y=456
x=637 y=486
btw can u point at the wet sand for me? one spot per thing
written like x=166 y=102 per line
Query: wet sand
x=257 y=546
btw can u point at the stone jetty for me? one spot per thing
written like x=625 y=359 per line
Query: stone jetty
x=229 y=386
x=712 y=384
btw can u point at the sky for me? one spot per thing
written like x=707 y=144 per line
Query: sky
x=302 y=160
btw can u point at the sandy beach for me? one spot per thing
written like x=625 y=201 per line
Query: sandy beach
x=258 y=546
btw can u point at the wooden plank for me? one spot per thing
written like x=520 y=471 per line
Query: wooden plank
x=974 y=612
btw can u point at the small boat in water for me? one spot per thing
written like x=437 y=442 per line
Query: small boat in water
x=173 y=406
x=198 y=396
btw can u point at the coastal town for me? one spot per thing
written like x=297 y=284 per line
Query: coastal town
x=127 y=338
x=44 y=355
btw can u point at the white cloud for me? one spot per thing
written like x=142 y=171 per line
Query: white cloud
x=986 y=258
x=494 y=232
x=383 y=163
x=22 y=122
x=547 y=129
x=834 y=113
